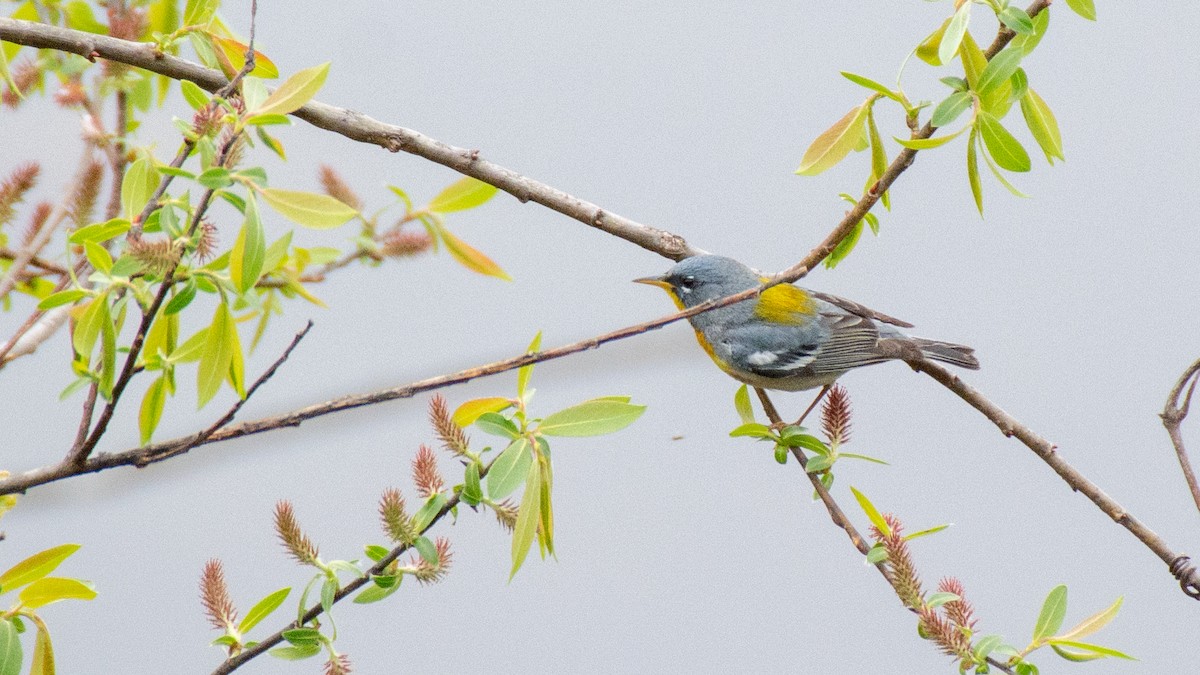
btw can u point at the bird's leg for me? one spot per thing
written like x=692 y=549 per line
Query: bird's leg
x=824 y=390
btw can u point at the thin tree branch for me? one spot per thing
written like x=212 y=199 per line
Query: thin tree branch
x=1172 y=417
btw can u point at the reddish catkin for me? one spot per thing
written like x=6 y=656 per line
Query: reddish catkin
x=214 y=595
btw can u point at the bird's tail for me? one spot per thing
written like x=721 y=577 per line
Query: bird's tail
x=948 y=352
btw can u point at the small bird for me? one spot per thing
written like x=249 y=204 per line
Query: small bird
x=790 y=338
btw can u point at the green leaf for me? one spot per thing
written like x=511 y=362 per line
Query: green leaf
x=1019 y=83
x=80 y=17
x=466 y=414
x=877 y=554
x=1002 y=145
x=955 y=30
x=249 y=251
x=472 y=491
x=973 y=60
x=425 y=515
x=1054 y=609
x=924 y=533
x=1027 y=43
x=375 y=593
x=199 y=12
x=524 y=372
x=1083 y=651
x=196 y=97
x=527 y=517
x=215 y=178
x=939 y=599
x=61 y=298
x=986 y=645
x=928 y=143
x=878 y=155
x=1017 y=19
x=98 y=256
x=928 y=50
x=872 y=85
x=262 y=609
x=794 y=437
x=1093 y=623
x=138 y=186
x=509 y=469
x=819 y=463
x=317 y=211
x=1042 y=125
x=973 y=170
x=217 y=355
x=753 y=430
x=872 y=513
x=43 y=652
x=89 y=326
x=427 y=551
x=296 y=652
x=591 y=418
x=35 y=566
x=497 y=425
x=834 y=143
x=301 y=636
x=52 y=589
x=182 y=298
x=741 y=403
x=294 y=93
x=845 y=246
x=470 y=257
x=998 y=71
x=100 y=232
x=277 y=252
x=328 y=592
x=10 y=646
x=6 y=76
x=464 y=193
x=152 y=408
x=1084 y=8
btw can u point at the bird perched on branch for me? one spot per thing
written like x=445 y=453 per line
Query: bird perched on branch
x=790 y=338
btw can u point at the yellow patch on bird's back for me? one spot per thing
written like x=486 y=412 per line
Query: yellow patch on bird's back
x=784 y=303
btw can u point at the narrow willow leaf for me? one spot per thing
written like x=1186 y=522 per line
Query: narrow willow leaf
x=509 y=469
x=262 y=609
x=1084 y=8
x=61 y=298
x=43 y=651
x=98 y=256
x=1083 y=651
x=524 y=372
x=89 y=326
x=527 y=517
x=317 y=211
x=1093 y=623
x=35 y=566
x=466 y=414
x=53 y=589
x=955 y=31
x=986 y=645
x=1042 y=125
x=1054 y=609
x=196 y=97
x=296 y=652
x=591 y=418
x=10 y=641
x=927 y=51
x=834 y=143
x=1002 y=145
x=1017 y=19
x=546 y=521
x=216 y=357
x=741 y=403
x=879 y=161
x=139 y=184
x=873 y=86
x=1000 y=176
x=753 y=430
x=949 y=109
x=1020 y=84
x=845 y=246
x=100 y=232
x=152 y=408
x=108 y=356
x=294 y=93
x=872 y=513
x=497 y=425
x=375 y=593
x=249 y=251
x=939 y=599
x=199 y=12
x=1027 y=43
x=924 y=533
x=182 y=298
x=236 y=375
x=973 y=60
x=973 y=170
x=998 y=70
x=928 y=143
x=236 y=53
x=464 y=193
x=6 y=76
x=470 y=257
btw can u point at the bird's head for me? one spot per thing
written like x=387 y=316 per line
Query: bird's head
x=703 y=277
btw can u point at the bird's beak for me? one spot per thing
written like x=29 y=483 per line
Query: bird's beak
x=654 y=281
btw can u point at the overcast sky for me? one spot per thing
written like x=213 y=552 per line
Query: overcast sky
x=679 y=548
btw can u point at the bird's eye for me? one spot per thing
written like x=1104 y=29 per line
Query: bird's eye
x=687 y=283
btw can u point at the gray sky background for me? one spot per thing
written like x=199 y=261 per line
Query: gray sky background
x=699 y=554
